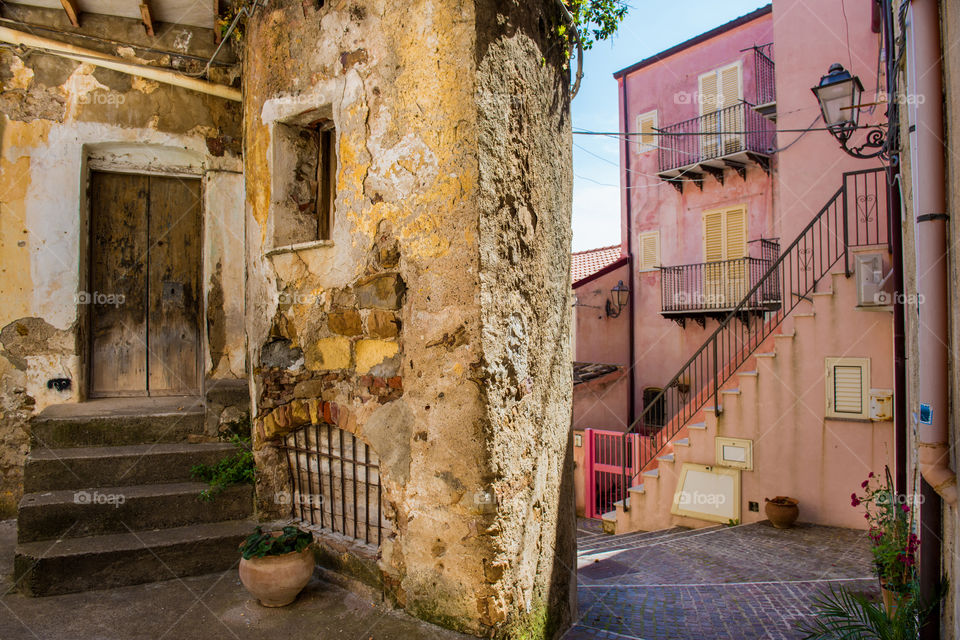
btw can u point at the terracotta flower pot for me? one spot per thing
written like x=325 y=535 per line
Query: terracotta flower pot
x=892 y=600
x=782 y=511
x=276 y=580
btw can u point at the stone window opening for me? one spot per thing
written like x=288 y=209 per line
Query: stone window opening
x=305 y=182
x=336 y=484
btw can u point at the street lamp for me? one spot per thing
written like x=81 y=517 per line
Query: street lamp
x=620 y=295
x=839 y=95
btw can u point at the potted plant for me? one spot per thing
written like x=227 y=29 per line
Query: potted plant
x=782 y=511
x=892 y=539
x=276 y=565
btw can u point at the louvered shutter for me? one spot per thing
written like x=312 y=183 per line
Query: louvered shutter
x=649 y=250
x=847 y=389
x=646 y=124
x=709 y=121
x=735 y=247
x=735 y=234
x=847 y=383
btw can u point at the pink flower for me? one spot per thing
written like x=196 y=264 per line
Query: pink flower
x=863 y=485
x=870 y=475
x=905 y=508
x=854 y=500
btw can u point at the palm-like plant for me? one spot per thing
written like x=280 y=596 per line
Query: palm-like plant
x=844 y=615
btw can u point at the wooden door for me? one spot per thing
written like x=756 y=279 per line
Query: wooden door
x=145 y=245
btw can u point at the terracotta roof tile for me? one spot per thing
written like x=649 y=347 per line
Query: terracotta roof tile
x=586 y=263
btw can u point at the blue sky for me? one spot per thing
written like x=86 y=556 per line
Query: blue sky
x=649 y=27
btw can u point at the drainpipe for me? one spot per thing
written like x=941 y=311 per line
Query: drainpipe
x=931 y=216
x=631 y=377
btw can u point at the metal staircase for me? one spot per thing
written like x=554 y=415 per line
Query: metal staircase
x=857 y=215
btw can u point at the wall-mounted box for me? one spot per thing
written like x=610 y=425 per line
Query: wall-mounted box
x=881 y=404
x=736 y=453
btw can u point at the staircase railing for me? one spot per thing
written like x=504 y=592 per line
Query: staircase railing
x=855 y=216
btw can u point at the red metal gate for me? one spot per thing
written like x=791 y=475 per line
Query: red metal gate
x=603 y=469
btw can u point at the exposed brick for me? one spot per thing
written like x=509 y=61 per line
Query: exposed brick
x=395 y=382
x=327 y=417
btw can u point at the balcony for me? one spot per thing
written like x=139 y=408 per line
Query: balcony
x=733 y=137
x=713 y=289
x=766 y=102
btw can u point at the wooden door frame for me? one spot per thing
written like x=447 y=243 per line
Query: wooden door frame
x=85 y=311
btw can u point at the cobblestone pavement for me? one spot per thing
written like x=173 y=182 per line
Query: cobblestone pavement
x=743 y=583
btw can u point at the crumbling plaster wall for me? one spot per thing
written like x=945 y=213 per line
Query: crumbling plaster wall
x=452 y=212
x=58 y=119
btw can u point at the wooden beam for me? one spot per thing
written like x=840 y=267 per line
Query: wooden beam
x=216 y=17
x=107 y=61
x=73 y=11
x=147 y=18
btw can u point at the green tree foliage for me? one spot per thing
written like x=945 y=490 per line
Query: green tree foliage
x=596 y=19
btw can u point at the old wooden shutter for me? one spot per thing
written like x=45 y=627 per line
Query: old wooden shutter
x=709 y=122
x=646 y=123
x=713 y=243
x=735 y=233
x=649 y=250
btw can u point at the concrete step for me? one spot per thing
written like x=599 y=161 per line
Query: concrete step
x=103 y=562
x=71 y=513
x=624 y=540
x=82 y=467
x=667 y=457
x=700 y=426
x=117 y=422
x=682 y=442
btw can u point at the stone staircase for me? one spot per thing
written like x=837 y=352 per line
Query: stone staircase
x=109 y=500
x=765 y=402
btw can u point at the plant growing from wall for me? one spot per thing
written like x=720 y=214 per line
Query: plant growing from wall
x=235 y=469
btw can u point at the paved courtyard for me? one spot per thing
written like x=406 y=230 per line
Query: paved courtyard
x=211 y=607
x=745 y=582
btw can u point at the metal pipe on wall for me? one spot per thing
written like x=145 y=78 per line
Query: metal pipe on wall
x=930 y=208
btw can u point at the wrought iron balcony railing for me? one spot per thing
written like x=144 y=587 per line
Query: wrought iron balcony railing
x=765 y=77
x=737 y=133
x=718 y=286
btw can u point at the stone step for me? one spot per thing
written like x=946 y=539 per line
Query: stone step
x=623 y=539
x=75 y=513
x=83 y=467
x=103 y=562
x=117 y=422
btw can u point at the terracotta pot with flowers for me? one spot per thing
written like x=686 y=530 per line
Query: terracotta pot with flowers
x=893 y=540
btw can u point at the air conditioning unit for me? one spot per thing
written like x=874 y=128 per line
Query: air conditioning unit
x=871 y=290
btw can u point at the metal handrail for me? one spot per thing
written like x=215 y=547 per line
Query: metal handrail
x=852 y=217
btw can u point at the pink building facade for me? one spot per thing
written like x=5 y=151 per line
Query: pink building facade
x=757 y=326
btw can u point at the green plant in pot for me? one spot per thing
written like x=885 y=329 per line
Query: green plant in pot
x=276 y=565
x=893 y=541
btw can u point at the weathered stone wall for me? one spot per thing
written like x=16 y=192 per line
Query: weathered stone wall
x=452 y=212
x=59 y=117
